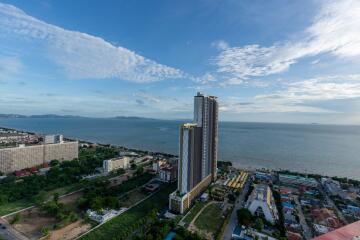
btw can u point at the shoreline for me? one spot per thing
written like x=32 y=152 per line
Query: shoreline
x=234 y=164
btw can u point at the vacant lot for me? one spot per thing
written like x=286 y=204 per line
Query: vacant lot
x=210 y=219
x=33 y=220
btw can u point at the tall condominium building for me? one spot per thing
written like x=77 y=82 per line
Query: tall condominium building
x=197 y=153
x=17 y=158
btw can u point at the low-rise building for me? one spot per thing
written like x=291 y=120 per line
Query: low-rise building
x=128 y=154
x=297 y=180
x=157 y=165
x=242 y=233
x=168 y=173
x=261 y=203
x=143 y=159
x=331 y=186
x=55 y=138
x=263 y=176
x=104 y=215
x=116 y=163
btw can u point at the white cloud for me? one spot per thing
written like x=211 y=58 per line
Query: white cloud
x=220 y=45
x=301 y=96
x=83 y=55
x=207 y=78
x=335 y=30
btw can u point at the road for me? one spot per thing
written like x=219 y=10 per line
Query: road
x=331 y=202
x=238 y=204
x=306 y=230
x=9 y=233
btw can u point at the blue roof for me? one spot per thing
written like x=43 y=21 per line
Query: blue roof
x=170 y=236
x=287 y=205
x=237 y=231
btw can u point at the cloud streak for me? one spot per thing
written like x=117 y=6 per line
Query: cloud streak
x=83 y=56
x=301 y=96
x=335 y=30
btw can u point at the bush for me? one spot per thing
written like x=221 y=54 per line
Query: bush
x=244 y=217
x=15 y=219
x=45 y=231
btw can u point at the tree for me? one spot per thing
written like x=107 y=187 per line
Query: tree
x=259 y=224
x=276 y=234
x=51 y=208
x=97 y=204
x=139 y=170
x=56 y=197
x=244 y=216
x=40 y=198
x=231 y=197
x=3 y=199
x=54 y=163
x=112 y=202
x=15 y=219
x=120 y=171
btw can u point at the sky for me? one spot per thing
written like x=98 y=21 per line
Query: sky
x=266 y=61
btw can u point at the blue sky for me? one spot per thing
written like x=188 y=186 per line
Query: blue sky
x=268 y=61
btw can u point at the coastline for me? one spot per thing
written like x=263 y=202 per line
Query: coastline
x=234 y=164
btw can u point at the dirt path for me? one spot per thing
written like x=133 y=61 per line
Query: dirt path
x=71 y=231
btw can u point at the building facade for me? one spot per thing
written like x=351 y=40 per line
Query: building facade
x=116 y=163
x=56 y=138
x=17 y=158
x=261 y=203
x=298 y=180
x=197 y=153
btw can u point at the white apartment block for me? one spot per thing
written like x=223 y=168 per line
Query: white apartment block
x=17 y=158
x=116 y=163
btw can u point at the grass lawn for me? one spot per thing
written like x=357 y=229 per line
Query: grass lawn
x=124 y=225
x=210 y=219
x=133 y=197
x=193 y=211
x=14 y=206
x=132 y=183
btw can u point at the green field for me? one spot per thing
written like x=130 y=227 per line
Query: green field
x=193 y=211
x=210 y=218
x=122 y=226
x=132 y=197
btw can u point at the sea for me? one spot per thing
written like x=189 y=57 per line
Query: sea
x=332 y=150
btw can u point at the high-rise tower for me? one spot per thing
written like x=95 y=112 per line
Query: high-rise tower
x=197 y=153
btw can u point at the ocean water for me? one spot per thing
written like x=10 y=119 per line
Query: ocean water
x=326 y=149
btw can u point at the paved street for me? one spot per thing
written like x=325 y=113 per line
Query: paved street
x=331 y=202
x=233 y=219
x=8 y=233
x=306 y=230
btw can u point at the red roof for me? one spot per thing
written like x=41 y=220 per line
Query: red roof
x=294 y=236
x=345 y=233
